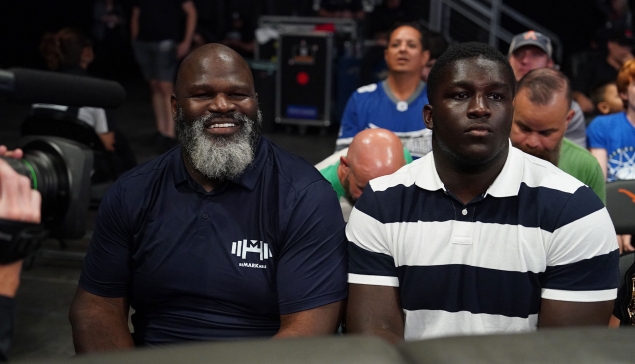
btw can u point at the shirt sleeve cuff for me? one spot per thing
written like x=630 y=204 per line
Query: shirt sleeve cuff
x=373 y=280
x=579 y=296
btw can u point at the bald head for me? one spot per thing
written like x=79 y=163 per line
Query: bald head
x=376 y=151
x=373 y=153
x=211 y=57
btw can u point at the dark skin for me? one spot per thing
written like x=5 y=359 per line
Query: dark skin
x=215 y=79
x=471 y=117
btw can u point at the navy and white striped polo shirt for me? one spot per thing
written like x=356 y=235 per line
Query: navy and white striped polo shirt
x=482 y=267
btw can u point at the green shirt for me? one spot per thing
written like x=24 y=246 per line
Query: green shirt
x=579 y=163
x=330 y=173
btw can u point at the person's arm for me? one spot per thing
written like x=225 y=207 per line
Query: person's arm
x=99 y=311
x=190 y=26
x=20 y=203
x=108 y=140
x=99 y=323
x=374 y=301
x=134 y=22
x=564 y=314
x=601 y=155
x=317 y=321
x=580 y=283
x=311 y=263
x=375 y=310
x=585 y=103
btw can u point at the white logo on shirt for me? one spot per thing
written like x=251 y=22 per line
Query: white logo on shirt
x=242 y=247
x=368 y=88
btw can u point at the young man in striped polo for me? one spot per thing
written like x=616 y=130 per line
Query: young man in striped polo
x=477 y=237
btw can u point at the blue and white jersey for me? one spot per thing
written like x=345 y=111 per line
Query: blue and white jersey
x=375 y=106
x=485 y=266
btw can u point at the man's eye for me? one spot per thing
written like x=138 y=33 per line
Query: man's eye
x=496 y=96
x=461 y=96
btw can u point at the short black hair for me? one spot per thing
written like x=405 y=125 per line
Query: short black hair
x=466 y=51
x=422 y=37
x=543 y=84
x=598 y=93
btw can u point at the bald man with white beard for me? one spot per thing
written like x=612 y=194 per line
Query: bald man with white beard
x=225 y=237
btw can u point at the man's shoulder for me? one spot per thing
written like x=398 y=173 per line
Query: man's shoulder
x=146 y=174
x=539 y=173
x=578 y=162
x=367 y=91
x=571 y=149
x=293 y=170
x=404 y=177
x=605 y=121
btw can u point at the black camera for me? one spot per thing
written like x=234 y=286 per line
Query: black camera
x=60 y=169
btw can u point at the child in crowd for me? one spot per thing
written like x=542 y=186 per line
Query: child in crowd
x=606 y=99
x=611 y=138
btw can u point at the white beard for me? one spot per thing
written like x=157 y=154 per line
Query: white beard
x=218 y=157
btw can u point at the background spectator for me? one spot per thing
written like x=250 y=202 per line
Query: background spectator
x=606 y=99
x=619 y=48
x=110 y=37
x=162 y=34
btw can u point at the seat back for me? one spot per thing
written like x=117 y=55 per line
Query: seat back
x=620 y=202
x=63 y=125
x=50 y=122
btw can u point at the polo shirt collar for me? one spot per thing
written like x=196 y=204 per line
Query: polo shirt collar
x=505 y=185
x=248 y=179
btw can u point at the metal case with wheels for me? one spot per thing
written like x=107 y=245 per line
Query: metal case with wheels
x=303 y=85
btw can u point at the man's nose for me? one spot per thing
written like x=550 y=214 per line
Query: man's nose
x=532 y=141
x=221 y=104
x=479 y=108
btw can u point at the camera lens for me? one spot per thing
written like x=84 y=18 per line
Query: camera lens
x=46 y=169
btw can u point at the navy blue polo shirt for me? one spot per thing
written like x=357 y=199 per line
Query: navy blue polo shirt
x=218 y=265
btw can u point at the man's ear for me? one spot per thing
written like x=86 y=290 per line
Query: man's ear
x=425 y=58
x=570 y=116
x=344 y=162
x=603 y=107
x=550 y=63
x=427 y=117
x=342 y=169
x=175 y=105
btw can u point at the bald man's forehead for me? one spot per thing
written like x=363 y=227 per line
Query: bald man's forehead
x=211 y=67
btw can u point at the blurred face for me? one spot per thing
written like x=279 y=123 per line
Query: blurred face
x=404 y=52
x=528 y=58
x=470 y=115
x=619 y=53
x=425 y=71
x=612 y=102
x=354 y=181
x=629 y=95
x=538 y=129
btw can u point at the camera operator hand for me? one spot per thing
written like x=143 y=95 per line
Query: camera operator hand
x=17 y=202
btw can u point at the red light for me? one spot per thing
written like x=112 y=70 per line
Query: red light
x=302 y=78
